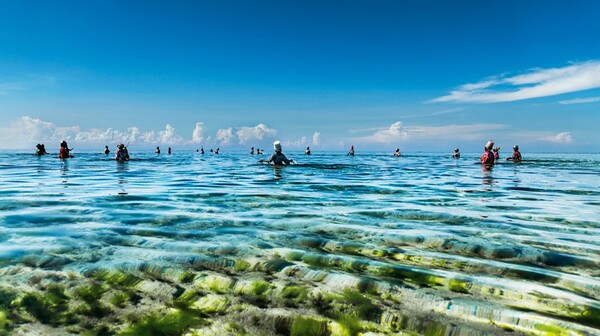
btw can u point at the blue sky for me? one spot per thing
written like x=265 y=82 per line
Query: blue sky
x=419 y=75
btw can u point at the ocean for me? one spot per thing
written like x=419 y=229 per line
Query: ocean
x=333 y=245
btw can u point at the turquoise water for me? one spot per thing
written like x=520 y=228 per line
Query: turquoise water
x=433 y=243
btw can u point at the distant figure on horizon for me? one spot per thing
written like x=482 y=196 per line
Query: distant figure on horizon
x=351 y=152
x=217 y=150
x=169 y=151
x=456 y=154
x=397 y=152
x=251 y=150
x=40 y=149
x=516 y=157
x=64 y=151
x=278 y=158
x=488 y=157
x=258 y=151
x=122 y=153
x=496 y=151
x=106 y=150
x=307 y=152
x=157 y=151
x=202 y=150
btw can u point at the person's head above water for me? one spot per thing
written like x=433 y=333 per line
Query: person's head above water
x=456 y=149
x=277 y=146
x=516 y=147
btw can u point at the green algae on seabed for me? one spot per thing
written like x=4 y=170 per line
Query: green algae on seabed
x=175 y=322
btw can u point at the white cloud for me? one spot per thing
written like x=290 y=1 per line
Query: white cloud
x=28 y=131
x=397 y=132
x=394 y=133
x=316 y=139
x=298 y=143
x=224 y=136
x=258 y=132
x=197 y=134
x=561 y=138
x=580 y=100
x=535 y=84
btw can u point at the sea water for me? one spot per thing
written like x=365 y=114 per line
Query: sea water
x=422 y=243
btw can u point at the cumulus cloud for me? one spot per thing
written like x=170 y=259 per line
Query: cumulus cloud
x=316 y=139
x=397 y=132
x=27 y=131
x=391 y=134
x=534 y=84
x=256 y=133
x=224 y=136
x=580 y=101
x=561 y=138
x=298 y=143
x=197 y=133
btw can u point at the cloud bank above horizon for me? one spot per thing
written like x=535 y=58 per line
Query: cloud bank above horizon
x=536 y=83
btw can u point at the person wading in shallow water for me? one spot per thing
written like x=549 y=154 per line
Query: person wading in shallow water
x=278 y=158
x=64 y=151
x=516 y=157
x=122 y=153
x=456 y=154
x=488 y=156
x=351 y=152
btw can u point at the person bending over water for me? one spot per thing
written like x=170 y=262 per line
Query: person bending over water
x=64 y=151
x=516 y=157
x=488 y=156
x=456 y=154
x=278 y=158
x=122 y=153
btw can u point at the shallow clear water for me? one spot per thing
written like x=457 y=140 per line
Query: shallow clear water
x=516 y=246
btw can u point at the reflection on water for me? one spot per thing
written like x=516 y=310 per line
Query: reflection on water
x=420 y=243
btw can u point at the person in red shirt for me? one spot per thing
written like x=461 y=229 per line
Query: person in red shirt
x=64 y=151
x=488 y=156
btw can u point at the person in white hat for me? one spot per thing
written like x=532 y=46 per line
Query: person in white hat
x=278 y=158
x=488 y=157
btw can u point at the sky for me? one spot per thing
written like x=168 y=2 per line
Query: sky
x=419 y=75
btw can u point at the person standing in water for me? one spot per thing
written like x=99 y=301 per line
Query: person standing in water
x=106 y=150
x=278 y=158
x=488 y=156
x=202 y=150
x=351 y=152
x=40 y=149
x=516 y=157
x=456 y=154
x=122 y=153
x=496 y=151
x=169 y=151
x=64 y=151
x=307 y=151
x=397 y=152
x=157 y=151
x=217 y=150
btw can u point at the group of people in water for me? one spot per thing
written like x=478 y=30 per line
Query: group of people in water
x=490 y=155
